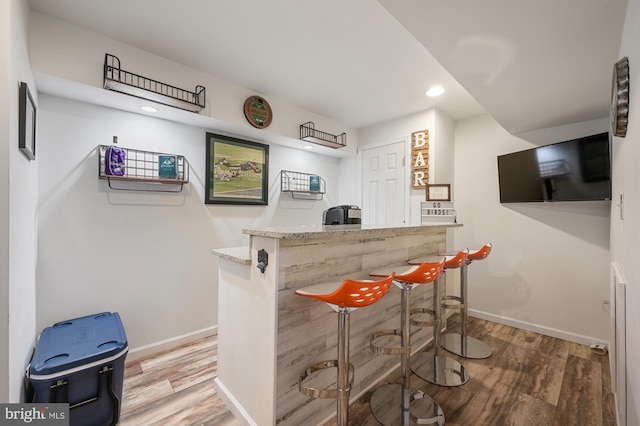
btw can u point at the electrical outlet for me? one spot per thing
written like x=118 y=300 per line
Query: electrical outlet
x=621 y=205
x=599 y=348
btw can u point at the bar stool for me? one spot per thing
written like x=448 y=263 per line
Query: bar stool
x=399 y=404
x=343 y=298
x=433 y=365
x=460 y=343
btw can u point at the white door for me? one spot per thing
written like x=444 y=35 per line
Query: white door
x=384 y=185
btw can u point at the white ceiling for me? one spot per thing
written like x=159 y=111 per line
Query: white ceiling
x=531 y=64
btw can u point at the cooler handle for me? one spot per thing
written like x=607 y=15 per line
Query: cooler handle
x=63 y=384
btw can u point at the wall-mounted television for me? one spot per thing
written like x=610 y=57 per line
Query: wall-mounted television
x=573 y=170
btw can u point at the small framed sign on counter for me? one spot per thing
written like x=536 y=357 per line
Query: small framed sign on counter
x=439 y=192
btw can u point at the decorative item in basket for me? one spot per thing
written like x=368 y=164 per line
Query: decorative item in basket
x=114 y=161
x=167 y=166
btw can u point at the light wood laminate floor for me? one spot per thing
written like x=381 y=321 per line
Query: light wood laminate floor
x=530 y=379
x=175 y=388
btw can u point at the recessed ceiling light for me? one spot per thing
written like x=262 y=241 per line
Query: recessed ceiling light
x=148 y=108
x=308 y=147
x=435 y=91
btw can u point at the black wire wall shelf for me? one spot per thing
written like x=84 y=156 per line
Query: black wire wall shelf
x=302 y=185
x=146 y=167
x=119 y=80
x=309 y=133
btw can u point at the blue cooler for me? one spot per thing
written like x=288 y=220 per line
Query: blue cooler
x=81 y=361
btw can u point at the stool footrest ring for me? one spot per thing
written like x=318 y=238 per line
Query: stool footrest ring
x=387 y=407
x=453 y=302
x=430 y=323
x=436 y=415
x=398 y=350
x=322 y=393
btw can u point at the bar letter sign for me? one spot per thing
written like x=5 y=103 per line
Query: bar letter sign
x=419 y=159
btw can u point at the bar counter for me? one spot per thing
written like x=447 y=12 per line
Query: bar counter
x=267 y=335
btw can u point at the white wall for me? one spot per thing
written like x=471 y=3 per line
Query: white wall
x=440 y=149
x=444 y=147
x=160 y=243
x=63 y=50
x=625 y=234
x=145 y=255
x=18 y=192
x=5 y=149
x=546 y=258
x=549 y=268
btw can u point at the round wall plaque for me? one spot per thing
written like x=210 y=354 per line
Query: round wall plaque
x=258 y=112
x=620 y=98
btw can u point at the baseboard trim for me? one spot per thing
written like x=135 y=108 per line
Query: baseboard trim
x=164 y=345
x=232 y=404
x=547 y=331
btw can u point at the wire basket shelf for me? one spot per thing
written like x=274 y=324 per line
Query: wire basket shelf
x=147 y=167
x=119 y=80
x=302 y=185
x=309 y=133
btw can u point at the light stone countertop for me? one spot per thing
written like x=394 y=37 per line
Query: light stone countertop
x=323 y=231
x=240 y=255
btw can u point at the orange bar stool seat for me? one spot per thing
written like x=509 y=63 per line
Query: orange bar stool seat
x=461 y=343
x=400 y=404
x=343 y=298
x=433 y=365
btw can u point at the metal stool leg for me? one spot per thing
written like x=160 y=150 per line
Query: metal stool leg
x=462 y=344
x=343 y=298
x=344 y=386
x=434 y=366
x=394 y=404
x=345 y=372
x=405 y=363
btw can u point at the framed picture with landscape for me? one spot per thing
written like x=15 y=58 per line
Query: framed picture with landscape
x=237 y=171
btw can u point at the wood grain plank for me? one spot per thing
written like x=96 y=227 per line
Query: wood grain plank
x=580 y=401
x=546 y=365
x=136 y=397
x=496 y=391
x=530 y=380
x=200 y=400
x=526 y=410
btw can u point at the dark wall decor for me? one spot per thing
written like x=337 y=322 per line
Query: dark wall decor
x=258 y=112
x=620 y=98
x=237 y=171
x=27 y=118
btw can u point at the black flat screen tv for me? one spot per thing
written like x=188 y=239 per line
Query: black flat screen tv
x=573 y=170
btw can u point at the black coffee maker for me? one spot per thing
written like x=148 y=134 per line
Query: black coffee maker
x=342 y=215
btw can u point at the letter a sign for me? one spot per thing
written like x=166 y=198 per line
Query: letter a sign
x=419 y=159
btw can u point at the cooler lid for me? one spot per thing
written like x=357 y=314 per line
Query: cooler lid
x=77 y=342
